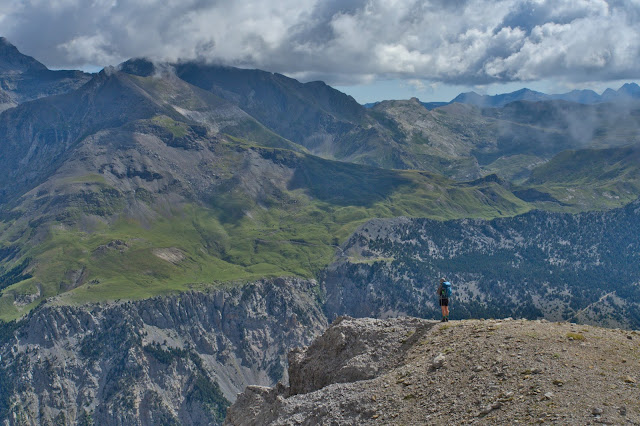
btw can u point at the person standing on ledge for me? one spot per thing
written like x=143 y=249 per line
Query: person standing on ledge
x=444 y=292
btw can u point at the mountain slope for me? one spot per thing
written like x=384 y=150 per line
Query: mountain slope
x=171 y=360
x=536 y=265
x=41 y=133
x=591 y=176
x=143 y=217
x=473 y=98
x=311 y=114
x=512 y=140
x=464 y=142
x=22 y=78
x=154 y=196
x=201 y=106
x=37 y=136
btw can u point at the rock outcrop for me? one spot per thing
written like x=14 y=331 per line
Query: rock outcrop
x=166 y=360
x=410 y=371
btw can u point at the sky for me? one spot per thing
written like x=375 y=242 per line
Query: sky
x=370 y=49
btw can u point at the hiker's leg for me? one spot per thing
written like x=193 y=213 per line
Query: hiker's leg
x=444 y=310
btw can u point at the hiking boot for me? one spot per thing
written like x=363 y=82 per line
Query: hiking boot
x=446 y=319
x=443 y=320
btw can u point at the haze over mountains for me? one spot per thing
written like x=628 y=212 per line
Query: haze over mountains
x=628 y=92
x=189 y=183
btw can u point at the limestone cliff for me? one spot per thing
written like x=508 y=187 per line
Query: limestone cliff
x=166 y=360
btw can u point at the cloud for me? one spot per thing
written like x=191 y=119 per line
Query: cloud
x=344 y=41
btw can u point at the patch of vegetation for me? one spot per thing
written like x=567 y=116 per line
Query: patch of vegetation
x=575 y=336
x=15 y=274
x=208 y=393
x=85 y=419
x=177 y=129
x=165 y=356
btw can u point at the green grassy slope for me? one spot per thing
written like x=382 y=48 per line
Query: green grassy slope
x=179 y=188
x=286 y=226
x=592 y=178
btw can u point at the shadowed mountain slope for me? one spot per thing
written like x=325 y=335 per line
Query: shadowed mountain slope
x=22 y=78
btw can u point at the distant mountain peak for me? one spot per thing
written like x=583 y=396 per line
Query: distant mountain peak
x=630 y=85
x=141 y=67
x=12 y=61
x=629 y=89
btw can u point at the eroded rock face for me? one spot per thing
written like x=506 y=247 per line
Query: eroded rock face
x=167 y=360
x=352 y=350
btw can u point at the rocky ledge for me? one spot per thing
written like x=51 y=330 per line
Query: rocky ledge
x=411 y=371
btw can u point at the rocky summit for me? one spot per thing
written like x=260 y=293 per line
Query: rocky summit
x=412 y=371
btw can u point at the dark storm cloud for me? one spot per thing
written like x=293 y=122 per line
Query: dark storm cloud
x=348 y=41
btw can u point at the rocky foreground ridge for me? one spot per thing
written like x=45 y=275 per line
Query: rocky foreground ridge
x=413 y=371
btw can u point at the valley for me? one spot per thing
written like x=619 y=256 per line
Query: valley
x=168 y=231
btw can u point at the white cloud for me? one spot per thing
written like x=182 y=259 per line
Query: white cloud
x=344 y=41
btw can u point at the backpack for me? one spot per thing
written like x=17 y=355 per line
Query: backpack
x=446 y=290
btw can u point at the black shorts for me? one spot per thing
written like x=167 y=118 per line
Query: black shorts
x=444 y=302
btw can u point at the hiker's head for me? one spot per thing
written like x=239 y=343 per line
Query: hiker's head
x=442 y=280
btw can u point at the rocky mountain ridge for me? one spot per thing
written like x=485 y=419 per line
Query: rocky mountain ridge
x=628 y=92
x=22 y=78
x=411 y=371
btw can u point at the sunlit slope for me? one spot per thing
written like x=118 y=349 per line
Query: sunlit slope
x=144 y=217
x=591 y=178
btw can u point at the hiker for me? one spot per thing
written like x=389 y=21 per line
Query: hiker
x=444 y=291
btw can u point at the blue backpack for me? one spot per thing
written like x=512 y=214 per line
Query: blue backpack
x=446 y=289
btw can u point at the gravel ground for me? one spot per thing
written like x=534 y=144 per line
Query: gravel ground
x=460 y=372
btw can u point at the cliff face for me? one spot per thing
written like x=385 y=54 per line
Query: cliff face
x=411 y=371
x=169 y=360
x=579 y=268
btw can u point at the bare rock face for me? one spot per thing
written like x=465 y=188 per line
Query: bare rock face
x=408 y=371
x=166 y=360
x=352 y=350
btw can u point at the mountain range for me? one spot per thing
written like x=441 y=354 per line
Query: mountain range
x=161 y=176
x=189 y=183
x=628 y=92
